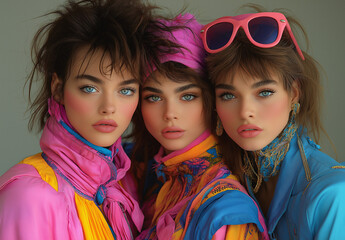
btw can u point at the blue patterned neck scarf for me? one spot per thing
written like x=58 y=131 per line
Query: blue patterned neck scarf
x=267 y=160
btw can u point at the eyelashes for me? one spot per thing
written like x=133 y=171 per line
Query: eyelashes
x=228 y=96
x=189 y=97
x=152 y=98
x=88 y=89
x=266 y=93
x=127 y=91
x=185 y=97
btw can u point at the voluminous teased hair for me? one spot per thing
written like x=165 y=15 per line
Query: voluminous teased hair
x=245 y=58
x=126 y=31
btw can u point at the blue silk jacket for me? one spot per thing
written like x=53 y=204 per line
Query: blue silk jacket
x=309 y=198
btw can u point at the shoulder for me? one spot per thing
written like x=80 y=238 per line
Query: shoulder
x=28 y=204
x=22 y=188
x=323 y=168
x=327 y=183
x=324 y=194
x=320 y=164
x=327 y=175
x=223 y=203
x=325 y=204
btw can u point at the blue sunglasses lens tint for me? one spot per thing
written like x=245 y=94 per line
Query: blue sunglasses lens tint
x=219 y=35
x=263 y=30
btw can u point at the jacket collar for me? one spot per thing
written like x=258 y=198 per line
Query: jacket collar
x=291 y=169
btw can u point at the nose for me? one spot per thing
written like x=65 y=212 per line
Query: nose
x=170 y=112
x=107 y=105
x=247 y=109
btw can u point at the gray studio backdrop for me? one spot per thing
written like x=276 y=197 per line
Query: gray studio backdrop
x=323 y=21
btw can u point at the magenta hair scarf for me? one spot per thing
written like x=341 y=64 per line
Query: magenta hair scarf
x=192 y=53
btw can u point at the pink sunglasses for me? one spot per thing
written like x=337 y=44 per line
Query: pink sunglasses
x=263 y=29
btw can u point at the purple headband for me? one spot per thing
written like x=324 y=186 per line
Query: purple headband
x=192 y=54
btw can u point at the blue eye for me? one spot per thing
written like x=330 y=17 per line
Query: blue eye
x=152 y=98
x=88 y=89
x=266 y=93
x=227 y=96
x=188 y=97
x=127 y=92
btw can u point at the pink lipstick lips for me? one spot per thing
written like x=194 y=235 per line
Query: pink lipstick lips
x=105 y=126
x=249 y=131
x=172 y=132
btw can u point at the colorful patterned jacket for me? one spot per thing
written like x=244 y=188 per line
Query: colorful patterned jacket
x=199 y=198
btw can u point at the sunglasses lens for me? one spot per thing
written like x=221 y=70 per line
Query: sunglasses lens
x=263 y=30
x=219 y=35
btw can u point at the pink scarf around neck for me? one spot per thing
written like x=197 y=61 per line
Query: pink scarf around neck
x=92 y=171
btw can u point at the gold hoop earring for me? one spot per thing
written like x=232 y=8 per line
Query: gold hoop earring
x=219 y=128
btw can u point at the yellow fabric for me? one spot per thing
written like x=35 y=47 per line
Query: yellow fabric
x=168 y=198
x=94 y=224
x=91 y=218
x=244 y=231
x=176 y=188
x=43 y=169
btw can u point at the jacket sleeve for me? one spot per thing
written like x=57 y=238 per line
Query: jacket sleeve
x=326 y=213
x=233 y=209
x=30 y=208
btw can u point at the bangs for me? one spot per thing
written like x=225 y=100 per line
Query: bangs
x=251 y=62
x=110 y=61
x=250 y=68
x=179 y=73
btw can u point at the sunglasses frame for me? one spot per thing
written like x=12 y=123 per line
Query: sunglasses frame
x=243 y=21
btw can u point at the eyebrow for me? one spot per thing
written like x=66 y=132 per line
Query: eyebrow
x=186 y=87
x=151 y=89
x=97 y=80
x=255 y=85
x=89 y=77
x=178 y=90
x=263 y=83
x=129 y=81
x=225 y=86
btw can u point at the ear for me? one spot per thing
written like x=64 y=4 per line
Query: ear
x=56 y=88
x=295 y=92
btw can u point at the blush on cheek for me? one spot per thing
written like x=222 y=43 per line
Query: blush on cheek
x=128 y=109
x=276 y=109
x=225 y=114
x=151 y=118
x=75 y=103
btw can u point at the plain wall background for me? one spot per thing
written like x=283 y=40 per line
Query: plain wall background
x=323 y=21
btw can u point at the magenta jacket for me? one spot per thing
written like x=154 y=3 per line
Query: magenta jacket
x=88 y=201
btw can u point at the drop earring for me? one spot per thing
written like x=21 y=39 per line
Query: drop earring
x=295 y=108
x=219 y=128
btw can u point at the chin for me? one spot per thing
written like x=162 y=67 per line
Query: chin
x=103 y=143
x=172 y=148
x=251 y=147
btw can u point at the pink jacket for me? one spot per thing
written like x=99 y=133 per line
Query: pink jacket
x=30 y=208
